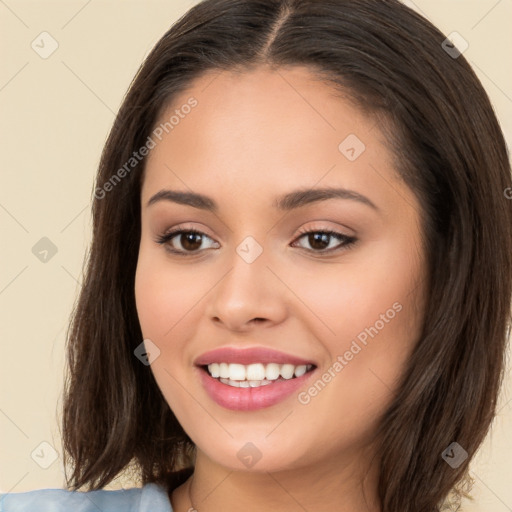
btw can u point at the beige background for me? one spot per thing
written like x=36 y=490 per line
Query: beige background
x=55 y=116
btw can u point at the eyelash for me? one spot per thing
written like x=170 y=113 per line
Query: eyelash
x=347 y=241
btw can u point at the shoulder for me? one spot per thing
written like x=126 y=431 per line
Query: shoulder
x=150 y=498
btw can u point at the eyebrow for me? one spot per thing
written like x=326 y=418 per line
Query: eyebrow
x=286 y=202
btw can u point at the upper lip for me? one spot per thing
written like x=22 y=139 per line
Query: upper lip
x=249 y=356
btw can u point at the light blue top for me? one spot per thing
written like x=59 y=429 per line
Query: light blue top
x=149 y=498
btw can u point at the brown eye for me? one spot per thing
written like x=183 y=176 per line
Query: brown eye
x=187 y=240
x=190 y=241
x=320 y=241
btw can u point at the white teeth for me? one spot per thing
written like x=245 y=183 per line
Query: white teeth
x=272 y=371
x=223 y=370
x=287 y=371
x=214 y=370
x=256 y=372
x=300 y=370
x=236 y=371
x=245 y=383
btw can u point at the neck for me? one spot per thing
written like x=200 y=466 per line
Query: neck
x=346 y=486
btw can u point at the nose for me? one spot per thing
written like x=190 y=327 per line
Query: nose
x=248 y=294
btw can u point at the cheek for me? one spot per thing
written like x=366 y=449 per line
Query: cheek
x=164 y=299
x=163 y=295
x=368 y=316
x=375 y=288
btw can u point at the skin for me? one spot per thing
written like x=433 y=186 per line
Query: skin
x=252 y=137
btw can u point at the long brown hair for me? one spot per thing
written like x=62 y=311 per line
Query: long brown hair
x=448 y=148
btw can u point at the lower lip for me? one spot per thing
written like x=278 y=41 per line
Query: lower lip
x=251 y=399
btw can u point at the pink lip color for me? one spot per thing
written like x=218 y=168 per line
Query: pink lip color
x=248 y=356
x=250 y=399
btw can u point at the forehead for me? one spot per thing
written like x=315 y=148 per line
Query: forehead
x=260 y=129
x=269 y=104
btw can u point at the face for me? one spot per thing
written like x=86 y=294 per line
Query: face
x=328 y=283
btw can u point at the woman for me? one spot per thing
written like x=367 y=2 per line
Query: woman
x=299 y=287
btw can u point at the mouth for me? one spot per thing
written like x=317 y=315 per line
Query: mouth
x=255 y=386
x=251 y=378
x=255 y=375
